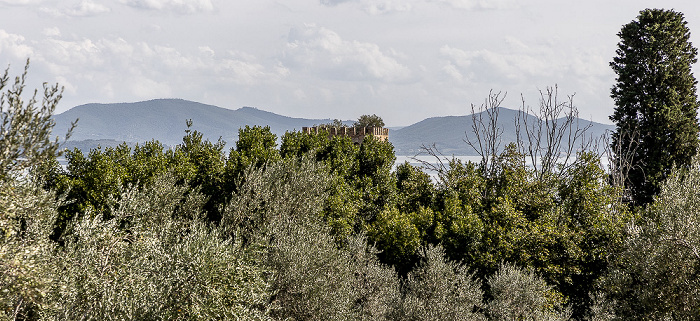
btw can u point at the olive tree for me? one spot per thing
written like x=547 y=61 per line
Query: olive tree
x=657 y=275
x=27 y=212
x=25 y=126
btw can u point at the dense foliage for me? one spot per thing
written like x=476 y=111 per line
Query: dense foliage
x=656 y=101
x=657 y=275
x=320 y=228
x=369 y=121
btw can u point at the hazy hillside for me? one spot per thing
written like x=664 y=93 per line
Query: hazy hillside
x=449 y=133
x=86 y=145
x=164 y=120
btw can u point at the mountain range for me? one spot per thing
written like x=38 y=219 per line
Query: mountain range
x=165 y=120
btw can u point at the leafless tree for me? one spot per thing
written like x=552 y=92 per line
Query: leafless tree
x=486 y=142
x=554 y=136
x=621 y=158
x=487 y=133
x=550 y=136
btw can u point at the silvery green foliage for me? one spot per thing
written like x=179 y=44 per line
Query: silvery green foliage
x=602 y=309
x=312 y=275
x=27 y=214
x=439 y=289
x=377 y=287
x=25 y=126
x=519 y=294
x=294 y=188
x=313 y=278
x=658 y=274
x=142 y=264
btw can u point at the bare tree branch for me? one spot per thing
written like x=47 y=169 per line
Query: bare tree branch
x=487 y=140
x=621 y=158
x=553 y=137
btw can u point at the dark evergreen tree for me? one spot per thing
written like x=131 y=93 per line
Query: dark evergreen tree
x=656 y=101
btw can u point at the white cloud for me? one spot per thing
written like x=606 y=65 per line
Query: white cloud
x=51 y=32
x=511 y=66
x=14 y=46
x=387 y=6
x=382 y=55
x=522 y=67
x=68 y=87
x=375 y=7
x=525 y=62
x=20 y=2
x=480 y=4
x=207 y=51
x=452 y=71
x=180 y=6
x=71 y=53
x=85 y=8
x=320 y=51
x=146 y=88
x=112 y=68
x=334 y=2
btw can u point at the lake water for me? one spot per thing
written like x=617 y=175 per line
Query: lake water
x=418 y=160
x=413 y=160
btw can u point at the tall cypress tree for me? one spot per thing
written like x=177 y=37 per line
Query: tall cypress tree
x=656 y=100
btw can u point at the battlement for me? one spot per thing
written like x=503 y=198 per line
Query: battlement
x=356 y=134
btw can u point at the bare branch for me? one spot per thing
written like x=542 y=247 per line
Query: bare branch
x=621 y=158
x=552 y=134
x=684 y=243
x=487 y=141
x=440 y=167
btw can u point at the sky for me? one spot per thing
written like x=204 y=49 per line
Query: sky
x=404 y=60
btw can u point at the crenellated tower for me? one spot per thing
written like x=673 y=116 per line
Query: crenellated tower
x=356 y=134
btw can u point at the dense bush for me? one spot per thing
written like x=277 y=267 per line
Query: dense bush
x=143 y=264
x=27 y=216
x=438 y=289
x=521 y=295
x=565 y=226
x=139 y=264
x=657 y=275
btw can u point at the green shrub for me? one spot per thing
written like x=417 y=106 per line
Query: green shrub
x=313 y=274
x=519 y=294
x=438 y=289
x=143 y=264
x=27 y=215
x=657 y=276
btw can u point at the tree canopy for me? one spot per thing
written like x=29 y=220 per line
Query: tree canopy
x=369 y=121
x=656 y=100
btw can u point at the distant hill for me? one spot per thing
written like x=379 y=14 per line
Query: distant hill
x=86 y=145
x=450 y=132
x=164 y=120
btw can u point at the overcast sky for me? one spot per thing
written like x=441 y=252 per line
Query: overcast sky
x=404 y=60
